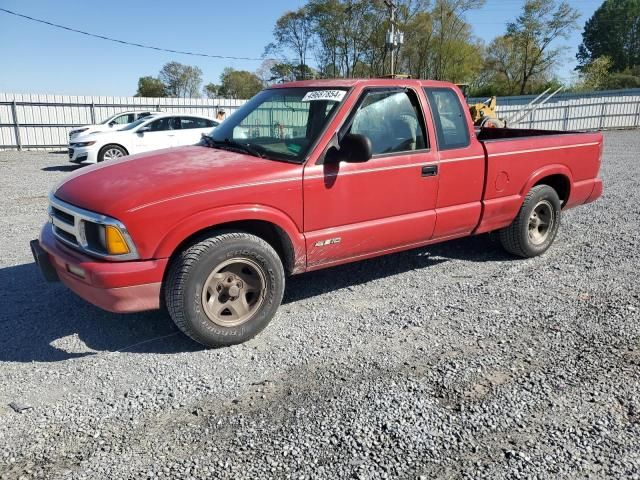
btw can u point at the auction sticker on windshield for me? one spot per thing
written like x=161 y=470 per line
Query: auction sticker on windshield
x=331 y=95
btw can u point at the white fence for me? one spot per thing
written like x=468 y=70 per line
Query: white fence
x=43 y=121
x=577 y=111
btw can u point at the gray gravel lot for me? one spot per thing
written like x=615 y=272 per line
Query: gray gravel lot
x=453 y=361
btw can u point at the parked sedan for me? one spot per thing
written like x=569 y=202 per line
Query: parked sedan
x=149 y=133
x=114 y=122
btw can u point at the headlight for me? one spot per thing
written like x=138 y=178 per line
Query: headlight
x=93 y=233
x=83 y=144
x=106 y=239
x=79 y=130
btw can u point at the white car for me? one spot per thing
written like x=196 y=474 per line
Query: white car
x=150 y=133
x=115 y=122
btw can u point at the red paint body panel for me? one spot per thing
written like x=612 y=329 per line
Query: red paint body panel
x=112 y=286
x=332 y=214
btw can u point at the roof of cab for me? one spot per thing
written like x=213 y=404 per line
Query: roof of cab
x=352 y=82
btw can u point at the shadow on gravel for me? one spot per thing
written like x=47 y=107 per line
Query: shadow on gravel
x=61 y=168
x=482 y=248
x=43 y=322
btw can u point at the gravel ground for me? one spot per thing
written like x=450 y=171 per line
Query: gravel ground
x=453 y=361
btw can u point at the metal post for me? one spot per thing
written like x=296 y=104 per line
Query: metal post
x=565 y=124
x=16 y=124
x=638 y=114
x=603 y=112
x=93 y=113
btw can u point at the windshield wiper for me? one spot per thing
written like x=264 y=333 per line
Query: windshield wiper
x=233 y=145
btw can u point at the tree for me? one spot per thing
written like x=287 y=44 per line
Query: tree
x=211 y=90
x=150 y=87
x=239 y=84
x=612 y=31
x=181 y=80
x=595 y=75
x=525 y=55
x=293 y=31
x=281 y=72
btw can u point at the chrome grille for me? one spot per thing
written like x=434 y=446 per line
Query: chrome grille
x=64 y=225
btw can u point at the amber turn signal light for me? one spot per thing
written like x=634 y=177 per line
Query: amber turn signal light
x=115 y=242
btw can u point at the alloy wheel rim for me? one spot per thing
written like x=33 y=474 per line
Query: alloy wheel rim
x=541 y=222
x=234 y=292
x=112 y=154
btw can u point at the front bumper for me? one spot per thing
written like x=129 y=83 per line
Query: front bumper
x=113 y=286
x=82 y=155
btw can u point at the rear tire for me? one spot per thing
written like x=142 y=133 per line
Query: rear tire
x=223 y=290
x=535 y=228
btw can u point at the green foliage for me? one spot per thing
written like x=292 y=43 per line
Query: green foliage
x=347 y=38
x=211 y=90
x=239 y=84
x=612 y=31
x=293 y=31
x=181 y=80
x=597 y=75
x=522 y=59
x=150 y=87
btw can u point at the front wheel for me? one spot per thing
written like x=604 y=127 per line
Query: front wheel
x=111 y=152
x=535 y=228
x=224 y=289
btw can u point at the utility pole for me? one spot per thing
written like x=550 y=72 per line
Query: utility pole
x=394 y=39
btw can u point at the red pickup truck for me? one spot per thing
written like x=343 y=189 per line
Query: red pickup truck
x=305 y=175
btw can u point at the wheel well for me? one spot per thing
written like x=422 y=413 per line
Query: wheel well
x=560 y=183
x=114 y=145
x=269 y=232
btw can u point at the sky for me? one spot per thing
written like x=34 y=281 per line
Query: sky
x=37 y=58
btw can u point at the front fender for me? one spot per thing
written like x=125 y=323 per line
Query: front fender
x=233 y=213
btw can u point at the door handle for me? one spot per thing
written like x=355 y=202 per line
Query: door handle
x=429 y=170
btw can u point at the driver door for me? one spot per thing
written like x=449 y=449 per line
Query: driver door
x=358 y=210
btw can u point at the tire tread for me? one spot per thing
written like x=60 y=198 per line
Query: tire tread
x=510 y=236
x=181 y=265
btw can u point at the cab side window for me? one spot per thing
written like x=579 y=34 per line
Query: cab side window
x=195 y=122
x=392 y=120
x=166 y=123
x=450 y=121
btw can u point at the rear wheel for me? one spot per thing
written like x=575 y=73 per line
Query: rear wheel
x=111 y=152
x=224 y=289
x=535 y=228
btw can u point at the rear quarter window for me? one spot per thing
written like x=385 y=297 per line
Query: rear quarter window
x=449 y=118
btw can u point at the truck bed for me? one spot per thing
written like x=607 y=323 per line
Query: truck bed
x=493 y=134
x=518 y=158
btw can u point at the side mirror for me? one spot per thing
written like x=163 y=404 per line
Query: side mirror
x=355 y=148
x=144 y=129
x=111 y=124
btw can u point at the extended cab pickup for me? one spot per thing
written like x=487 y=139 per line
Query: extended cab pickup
x=305 y=175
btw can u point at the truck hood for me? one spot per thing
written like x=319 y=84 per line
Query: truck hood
x=139 y=181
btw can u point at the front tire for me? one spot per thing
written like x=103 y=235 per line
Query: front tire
x=535 y=228
x=223 y=290
x=111 y=152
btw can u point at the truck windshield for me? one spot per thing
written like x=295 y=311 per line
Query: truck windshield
x=279 y=123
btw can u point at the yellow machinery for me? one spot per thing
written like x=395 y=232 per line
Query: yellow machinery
x=482 y=114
